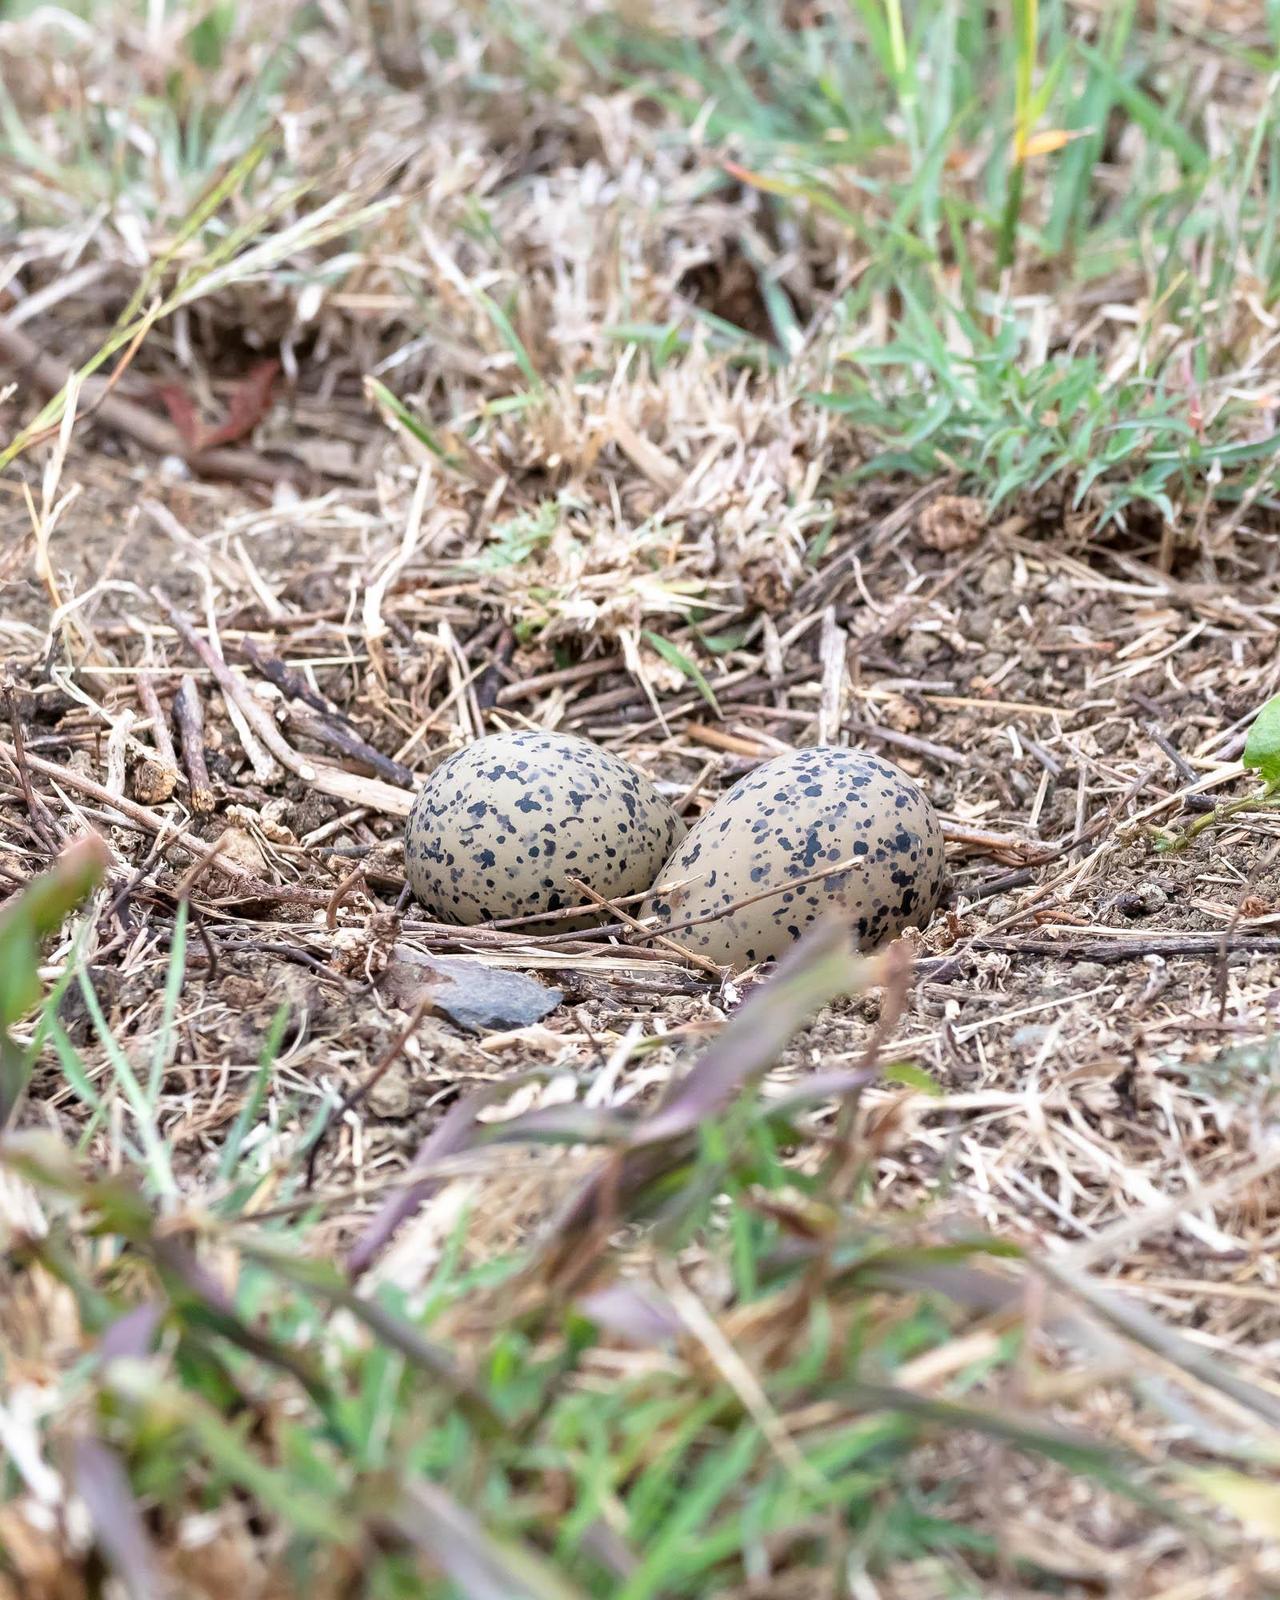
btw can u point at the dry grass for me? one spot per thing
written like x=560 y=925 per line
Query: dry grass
x=659 y=376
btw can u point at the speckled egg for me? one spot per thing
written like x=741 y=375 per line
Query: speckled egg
x=785 y=822
x=500 y=828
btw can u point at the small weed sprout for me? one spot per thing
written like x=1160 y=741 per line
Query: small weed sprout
x=1261 y=755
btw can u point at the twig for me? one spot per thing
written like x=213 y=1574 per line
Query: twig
x=253 y=722
x=1265 y=799
x=657 y=929
x=531 y=688
x=124 y=813
x=908 y=741
x=497 y=672
x=343 y=785
x=1112 y=950
x=154 y=781
x=197 y=870
x=731 y=743
x=121 y=810
x=340 y=893
x=189 y=716
x=288 y=681
x=349 y=1101
x=1224 y=951
x=44 y=826
x=117 y=741
x=637 y=926
x=340 y=738
x=899 y=960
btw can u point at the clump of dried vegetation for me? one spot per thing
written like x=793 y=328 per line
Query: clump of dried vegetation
x=710 y=380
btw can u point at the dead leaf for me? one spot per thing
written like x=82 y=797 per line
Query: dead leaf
x=249 y=402
x=1051 y=139
x=182 y=413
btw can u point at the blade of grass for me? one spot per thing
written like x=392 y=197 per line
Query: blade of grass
x=247 y=1116
x=161 y=1053
x=159 y=1168
x=676 y=657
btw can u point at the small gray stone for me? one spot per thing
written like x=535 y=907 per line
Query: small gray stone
x=475 y=996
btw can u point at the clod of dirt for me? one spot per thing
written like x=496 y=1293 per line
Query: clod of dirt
x=238 y=848
x=854 y=817
x=153 y=782
x=952 y=522
x=505 y=826
x=475 y=996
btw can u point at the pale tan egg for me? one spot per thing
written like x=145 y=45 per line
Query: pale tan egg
x=502 y=827
x=858 y=819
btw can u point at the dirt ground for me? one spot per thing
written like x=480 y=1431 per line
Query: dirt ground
x=1100 y=1028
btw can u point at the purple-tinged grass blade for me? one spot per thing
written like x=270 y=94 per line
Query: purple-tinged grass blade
x=821 y=967
x=132 y=1336
x=102 y=1483
x=479 y=1565
x=634 y=1311
x=452 y=1133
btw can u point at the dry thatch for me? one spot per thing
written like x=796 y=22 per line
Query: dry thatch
x=544 y=449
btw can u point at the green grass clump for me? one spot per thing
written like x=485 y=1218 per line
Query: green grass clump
x=1039 y=250
x=996 y=180
x=570 y=1419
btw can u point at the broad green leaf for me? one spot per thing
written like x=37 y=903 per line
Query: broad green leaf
x=1262 y=747
x=39 y=911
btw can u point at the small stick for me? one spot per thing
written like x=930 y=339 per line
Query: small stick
x=44 y=828
x=252 y=721
x=210 y=948
x=288 y=681
x=116 y=742
x=497 y=672
x=636 y=926
x=340 y=894
x=265 y=767
x=120 y=808
x=189 y=716
x=354 y=1097
x=1212 y=945
x=531 y=688
x=124 y=813
x=719 y=739
x=1224 y=963
x=832 y=647
x=908 y=741
x=337 y=736
x=196 y=871
x=659 y=929
x=154 y=781
x=1181 y=765
x=846 y=1153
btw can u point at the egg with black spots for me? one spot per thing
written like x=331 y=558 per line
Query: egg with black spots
x=860 y=820
x=503 y=826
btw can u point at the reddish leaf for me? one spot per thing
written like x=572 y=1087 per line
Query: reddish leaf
x=182 y=413
x=250 y=400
